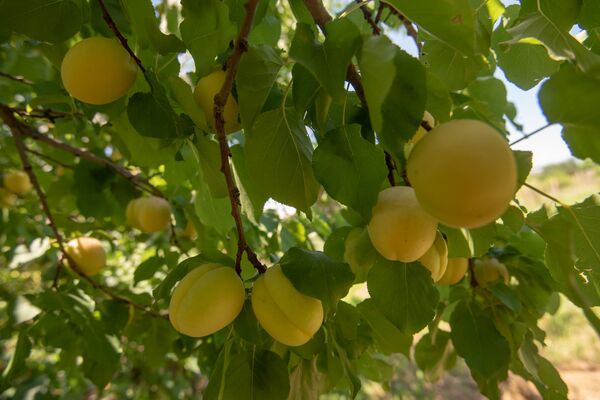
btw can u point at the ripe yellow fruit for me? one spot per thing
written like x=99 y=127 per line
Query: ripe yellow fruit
x=436 y=258
x=419 y=133
x=87 y=253
x=289 y=316
x=7 y=199
x=400 y=229
x=149 y=214
x=207 y=299
x=17 y=182
x=204 y=94
x=464 y=173
x=488 y=270
x=98 y=70
x=456 y=269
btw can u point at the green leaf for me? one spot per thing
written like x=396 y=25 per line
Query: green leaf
x=251 y=197
x=389 y=339
x=212 y=212
x=304 y=87
x=328 y=61
x=434 y=354
x=452 y=21
x=182 y=93
x=316 y=275
x=17 y=361
x=256 y=375
x=209 y=157
x=477 y=340
x=395 y=89
x=147 y=269
x=589 y=16
x=549 y=22
x=464 y=242
x=206 y=31
x=570 y=98
x=449 y=65
x=149 y=118
x=256 y=75
x=279 y=151
x=46 y=20
x=404 y=293
x=524 y=161
x=350 y=168
x=439 y=102
x=512 y=57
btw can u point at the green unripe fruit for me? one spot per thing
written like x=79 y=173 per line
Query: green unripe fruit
x=206 y=300
x=400 y=229
x=98 y=70
x=464 y=173
x=289 y=316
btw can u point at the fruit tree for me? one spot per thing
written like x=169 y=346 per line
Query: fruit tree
x=262 y=199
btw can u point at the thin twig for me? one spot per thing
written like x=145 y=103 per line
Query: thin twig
x=19 y=79
x=241 y=46
x=391 y=166
x=532 y=133
x=410 y=29
x=113 y=27
x=48 y=158
x=369 y=17
x=18 y=130
x=542 y=193
x=379 y=12
x=136 y=180
x=45 y=113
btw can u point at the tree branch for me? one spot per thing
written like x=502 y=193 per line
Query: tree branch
x=48 y=158
x=113 y=27
x=241 y=46
x=531 y=134
x=18 y=130
x=410 y=29
x=45 y=113
x=19 y=79
x=369 y=18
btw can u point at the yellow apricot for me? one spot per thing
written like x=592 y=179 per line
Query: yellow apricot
x=436 y=258
x=17 y=182
x=149 y=214
x=464 y=173
x=289 y=316
x=455 y=270
x=400 y=229
x=98 y=70
x=419 y=133
x=7 y=199
x=206 y=300
x=204 y=94
x=488 y=270
x=87 y=253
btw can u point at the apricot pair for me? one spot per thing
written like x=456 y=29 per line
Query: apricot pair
x=211 y=296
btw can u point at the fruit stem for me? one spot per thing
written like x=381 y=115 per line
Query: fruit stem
x=531 y=133
x=241 y=46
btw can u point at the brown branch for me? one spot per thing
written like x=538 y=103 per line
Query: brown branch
x=113 y=27
x=19 y=79
x=45 y=113
x=48 y=158
x=19 y=130
x=369 y=18
x=410 y=29
x=472 y=280
x=379 y=12
x=241 y=46
x=136 y=180
x=391 y=166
